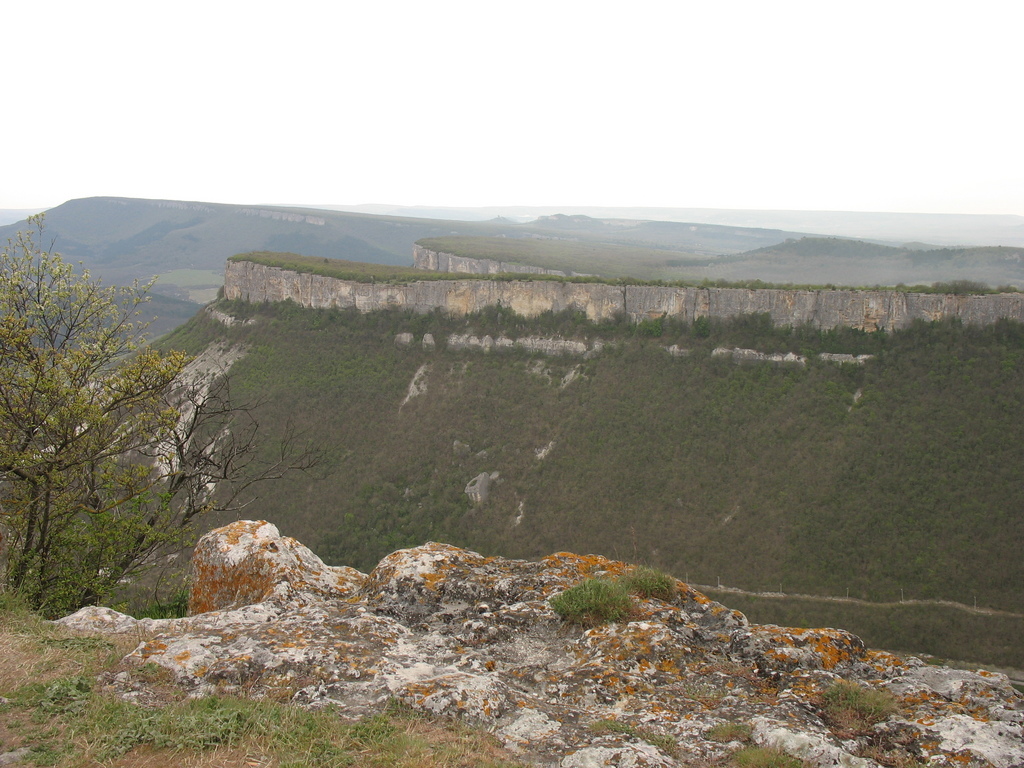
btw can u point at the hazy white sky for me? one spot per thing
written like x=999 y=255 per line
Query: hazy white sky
x=895 y=105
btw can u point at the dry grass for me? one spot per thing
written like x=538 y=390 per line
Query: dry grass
x=33 y=650
x=54 y=707
x=852 y=709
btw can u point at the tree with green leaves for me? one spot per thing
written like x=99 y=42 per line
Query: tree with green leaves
x=109 y=452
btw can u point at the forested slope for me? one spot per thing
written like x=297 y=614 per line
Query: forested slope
x=898 y=478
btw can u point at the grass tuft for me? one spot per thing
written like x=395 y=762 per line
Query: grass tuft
x=648 y=582
x=852 y=707
x=593 y=602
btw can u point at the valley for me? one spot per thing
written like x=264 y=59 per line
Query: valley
x=892 y=479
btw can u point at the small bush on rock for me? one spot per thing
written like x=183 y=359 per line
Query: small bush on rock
x=593 y=602
x=853 y=707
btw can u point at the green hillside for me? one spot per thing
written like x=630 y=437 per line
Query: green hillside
x=899 y=478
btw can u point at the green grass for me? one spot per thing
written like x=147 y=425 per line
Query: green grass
x=360 y=272
x=592 y=602
x=764 y=757
x=850 y=706
x=592 y=258
x=610 y=270
x=649 y=582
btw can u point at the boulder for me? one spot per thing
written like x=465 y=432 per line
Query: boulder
x=479 y=488
x=249 y=562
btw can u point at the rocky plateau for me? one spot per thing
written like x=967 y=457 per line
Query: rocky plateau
x=681 y=681
x=868 y=310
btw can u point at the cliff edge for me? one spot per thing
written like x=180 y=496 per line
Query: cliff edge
x=864 y=310
x=680 y=680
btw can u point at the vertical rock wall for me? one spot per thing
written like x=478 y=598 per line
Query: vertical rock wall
x=865 y=310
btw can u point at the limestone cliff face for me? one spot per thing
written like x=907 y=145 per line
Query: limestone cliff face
x=437 y=261
x=865 y=310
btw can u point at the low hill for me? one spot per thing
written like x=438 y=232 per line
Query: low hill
x=890 y=481
x=853 y=262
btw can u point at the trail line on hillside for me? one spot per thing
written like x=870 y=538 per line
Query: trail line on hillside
x=944 y=603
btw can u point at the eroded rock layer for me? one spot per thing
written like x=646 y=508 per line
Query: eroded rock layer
x=452 y=632
x=865 y=310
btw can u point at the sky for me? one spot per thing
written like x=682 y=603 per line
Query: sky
x=869 y=106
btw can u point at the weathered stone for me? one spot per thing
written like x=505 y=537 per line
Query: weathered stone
x=424 y=258
x=479 y=488
x=753 y=356
x=249 y=562
x=775 y=648
x=627 y=756
x=455 y=633
x=94 y=618
x=814 y=748
x=834 y=357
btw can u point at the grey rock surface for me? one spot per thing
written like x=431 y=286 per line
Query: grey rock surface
x=454 y=633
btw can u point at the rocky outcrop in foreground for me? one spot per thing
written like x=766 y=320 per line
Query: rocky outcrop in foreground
x=682 y=680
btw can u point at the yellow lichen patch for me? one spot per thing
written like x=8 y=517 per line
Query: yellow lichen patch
x=152 y=648
x=816 y=648
x=432 y=580
x=882 y=660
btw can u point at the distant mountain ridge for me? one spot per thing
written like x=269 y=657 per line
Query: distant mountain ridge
x=186 y=243
x=937 y=228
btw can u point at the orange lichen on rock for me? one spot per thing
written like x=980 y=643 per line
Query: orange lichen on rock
x=248 y=561
x=787 y=648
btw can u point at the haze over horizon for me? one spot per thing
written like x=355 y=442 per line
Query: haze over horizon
x=795 y=105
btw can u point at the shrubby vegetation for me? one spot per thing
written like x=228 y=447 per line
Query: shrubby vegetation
x=899 y=474
x=361 y=272
x=108 y=454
